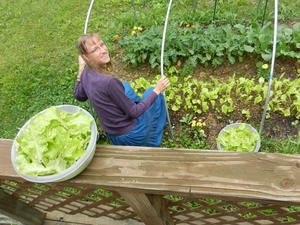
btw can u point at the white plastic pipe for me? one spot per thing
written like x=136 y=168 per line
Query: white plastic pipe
x=162 y=66
x=272 y=66
x=85 y=30
x=88 y=16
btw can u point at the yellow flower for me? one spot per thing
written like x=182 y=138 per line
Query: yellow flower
x=265 y=66
x=193 y=123
x=140 y=29
x=132 y=32
x=202 y=131
x=204 y=124
x=178 y=63
x=199 y=124
x=135 y=28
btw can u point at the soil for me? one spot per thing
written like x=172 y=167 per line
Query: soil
x=277 y=126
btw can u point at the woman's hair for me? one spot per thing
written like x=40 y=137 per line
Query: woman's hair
x=84 y=39
x=82 y=49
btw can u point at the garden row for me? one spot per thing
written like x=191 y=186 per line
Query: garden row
x=211 y=44
x=224 y=98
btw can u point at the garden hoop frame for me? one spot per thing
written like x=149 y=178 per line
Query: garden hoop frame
x=162 y=56
x=85 y=29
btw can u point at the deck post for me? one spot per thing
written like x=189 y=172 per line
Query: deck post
x=151 y=209
x=160 y=205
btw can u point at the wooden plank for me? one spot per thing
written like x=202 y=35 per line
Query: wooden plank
x=20 y=211
x=262 y=176
x=247 y=175
x=6 y=167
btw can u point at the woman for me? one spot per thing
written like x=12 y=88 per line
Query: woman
x=125 y=118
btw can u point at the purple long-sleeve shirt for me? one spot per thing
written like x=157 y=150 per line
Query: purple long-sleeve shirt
x=116 y=112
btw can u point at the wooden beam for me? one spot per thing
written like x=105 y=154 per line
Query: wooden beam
x=20 y=211
x=144 y=209
x=161 y=207
x=234 y=175
x=257 y=176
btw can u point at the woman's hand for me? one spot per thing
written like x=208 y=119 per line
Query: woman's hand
x=81 y=64
x=81 y=61
x=161 y=85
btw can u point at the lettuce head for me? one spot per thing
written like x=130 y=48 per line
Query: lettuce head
x=239 y=138
x=52 y=142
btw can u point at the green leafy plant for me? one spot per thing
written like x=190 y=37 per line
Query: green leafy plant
x=286 y=219
x=246 y=112
x=187 y=119
x=191 y=135
x=202 y=97
x=247 y=215
x=211 y=44
x=230 y=207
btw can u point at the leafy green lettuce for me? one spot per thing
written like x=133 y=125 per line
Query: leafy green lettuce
x=52 y=142
x=240 y=139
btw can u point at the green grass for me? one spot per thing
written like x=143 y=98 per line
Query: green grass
x=39 y=57
x=285 y=146
x=38 y=61
x=38 y=64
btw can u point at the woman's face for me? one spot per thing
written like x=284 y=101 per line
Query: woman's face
x=97 y=52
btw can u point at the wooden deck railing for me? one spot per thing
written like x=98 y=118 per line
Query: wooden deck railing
x=164 y=187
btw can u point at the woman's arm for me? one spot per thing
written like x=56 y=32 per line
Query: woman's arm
x=79 y=92
x=132 y=109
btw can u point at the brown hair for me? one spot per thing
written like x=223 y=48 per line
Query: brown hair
x=83 y=40
x=82 y=49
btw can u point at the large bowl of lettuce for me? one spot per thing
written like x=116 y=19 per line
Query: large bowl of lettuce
x=55 y=145
x=239 y=137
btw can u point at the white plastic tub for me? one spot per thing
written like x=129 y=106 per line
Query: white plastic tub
x=237 y=125
x=73 y=170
